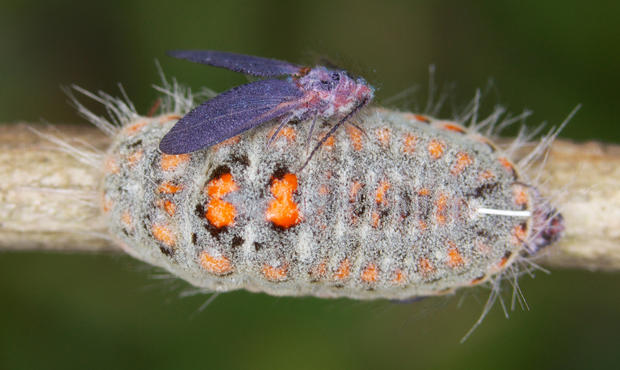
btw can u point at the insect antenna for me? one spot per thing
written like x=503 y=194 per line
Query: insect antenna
x=332 y=130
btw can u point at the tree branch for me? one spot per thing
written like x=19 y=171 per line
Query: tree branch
x=43 y=191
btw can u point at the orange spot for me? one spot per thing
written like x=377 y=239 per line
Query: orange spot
x=135 y=157
x=423 y=225
x=375 y=219
x=111 y=166
x=381 y=191
x=436 y=148
x=170 y=117
x=399 y=277
x=283 y=210
x=486 y=175
x=409 y=143
x=319 y=271
x=454 y=257
x=503 y=261
x=275 y=273
x=355 y=188
x=343 y=270
x=167 y=187
x=133 y=129
x=215 y=265
x=355 y=135
x=323 y=189
x=507 y=165
x=383 y=135
x=329 y=142
x=370 y=273
x=477 y=280
x=453 y=127
x=417 y=117
x=169 y=207
x=425 y=266
x=519 y=195
x=424 y=192
x=518 y=234
x=220 y=213
x=170 y=162
x=462 y=161
x=126 y=219
x=233 y=140
x=163 y=234
x=440 y=208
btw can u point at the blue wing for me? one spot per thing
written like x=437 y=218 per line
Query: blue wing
x=231 y=113
x=247 y=64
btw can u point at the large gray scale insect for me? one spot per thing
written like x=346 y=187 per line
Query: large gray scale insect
x=308 y=93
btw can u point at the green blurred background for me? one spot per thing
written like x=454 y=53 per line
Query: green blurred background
x=64 y=311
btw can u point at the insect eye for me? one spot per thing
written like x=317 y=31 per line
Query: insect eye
x=336 y=76
x=325 y=82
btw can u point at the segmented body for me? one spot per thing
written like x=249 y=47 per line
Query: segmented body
x=392 y=212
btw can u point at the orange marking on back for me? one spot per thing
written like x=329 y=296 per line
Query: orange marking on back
x=323 y=189
x=519 y=195
x=421 y=118
x=370 y=273
x=424 y=192
x=169 y=117
x=454 y=257
x=275 y=273
x=382 y=189
x=133 y=129
x=462 y=161
x=286 y=132
x=453 y=127
x=169 y=207
x=355 y=135
x=319 y=271
x=399 y=277
x=423 y=225
x=126 y=220
x=111 y=166
x=163 y=233
x=436 y=148
x=440 y=208
x=135 y=157
x=383 y=135
x=507 y=165
x=221 y=213
x=355 y=188
x=518 y=234
x=375 y=219
x=486 y=175
x=170 y=162
x=283 y=210
x=329 y=142
x=233 y=140
x=344 y=270
x=425 y=266
x=409 y=143
x=503 y=261
x=478 y=280
x=168 y=187
x=215 y=265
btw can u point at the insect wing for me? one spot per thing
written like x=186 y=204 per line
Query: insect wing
x=231 y=113
x=247 y=64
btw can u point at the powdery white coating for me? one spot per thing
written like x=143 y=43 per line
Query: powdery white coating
x=391 y=212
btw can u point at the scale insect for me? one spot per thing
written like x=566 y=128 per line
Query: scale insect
x=308 y=93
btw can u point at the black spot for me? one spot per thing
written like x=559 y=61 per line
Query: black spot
x=258 y=246
x=241 y=159
x=135 y=144
x=524 y=226
x=483 y=233
x=507 y=254
x=200 y=210
x=218 y=172
x=236 y=241
x=194 y=238
x=214 y=231
x=166 y=250
x=483 y=189
x=281 y=229
x=280 y=171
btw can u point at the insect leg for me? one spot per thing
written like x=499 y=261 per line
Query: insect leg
x=310 y=133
